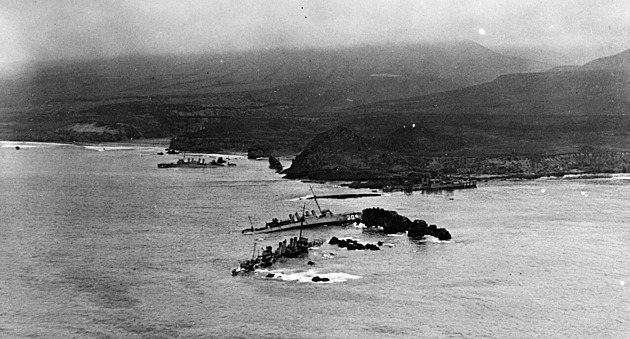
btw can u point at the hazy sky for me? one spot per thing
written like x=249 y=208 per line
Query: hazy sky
x=57 y=29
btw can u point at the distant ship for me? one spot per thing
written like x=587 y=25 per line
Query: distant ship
x=308 y=219
x=195 y=163
x=429 y=184
x=191 y=163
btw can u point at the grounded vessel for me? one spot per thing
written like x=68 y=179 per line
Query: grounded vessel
x=297 y=246
x=308 y=219
x=195 y=163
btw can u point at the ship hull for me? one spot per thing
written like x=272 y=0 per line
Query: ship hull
x=339 y=219
x=187 y=165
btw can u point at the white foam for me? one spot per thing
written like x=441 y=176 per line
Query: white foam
x=307 y=276
x=400 y=234
x=621 y=176
x=429 y=238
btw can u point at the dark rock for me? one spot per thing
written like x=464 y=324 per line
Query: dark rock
x=270 y=275
x=220 y=160
x=258 y=152
x=392 y=222
x=275 y=164
x=310 y=263
x=352 y=244
x=372 y=247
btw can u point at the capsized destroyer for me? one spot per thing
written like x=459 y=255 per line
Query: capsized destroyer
x=308 y=219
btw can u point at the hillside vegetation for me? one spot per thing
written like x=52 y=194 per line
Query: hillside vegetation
x=168 y=96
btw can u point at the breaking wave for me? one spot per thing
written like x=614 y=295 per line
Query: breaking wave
x=429 y=238
x=307 y=276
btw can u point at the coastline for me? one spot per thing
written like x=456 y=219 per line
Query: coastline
x=140 y=142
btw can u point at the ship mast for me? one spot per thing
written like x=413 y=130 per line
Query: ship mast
x=302 y=224
x=251 y=223
x=315 y=197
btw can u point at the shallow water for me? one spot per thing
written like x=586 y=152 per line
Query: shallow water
x=96 y=242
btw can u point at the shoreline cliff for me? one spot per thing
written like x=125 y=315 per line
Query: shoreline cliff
x=341 y=155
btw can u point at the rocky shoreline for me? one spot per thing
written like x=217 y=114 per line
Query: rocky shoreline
x=341 y=155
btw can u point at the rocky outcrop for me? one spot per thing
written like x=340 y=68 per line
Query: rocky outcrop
x=258 y=152
x=340 y=154
x=535 y=166
x=275 y=164
x=392 y=222
x=337 y=154
x=351 y=244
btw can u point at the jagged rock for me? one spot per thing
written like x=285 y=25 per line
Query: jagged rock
x=275 y=164
x=372 y=247
x=392 y=222
x=351 y=244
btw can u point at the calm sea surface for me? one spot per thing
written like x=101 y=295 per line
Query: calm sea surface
x=96 y=242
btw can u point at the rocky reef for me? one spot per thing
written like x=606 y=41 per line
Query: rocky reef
x=351 y=244
x=392 y=223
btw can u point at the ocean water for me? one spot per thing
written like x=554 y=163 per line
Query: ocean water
x=96 y=242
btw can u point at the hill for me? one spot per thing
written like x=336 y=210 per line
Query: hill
x=166 y=96
x=619 y=61
x=518 y=113
x=543 y=55
x=523 y=124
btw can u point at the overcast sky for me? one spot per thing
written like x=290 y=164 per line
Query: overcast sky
x=58 y=29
